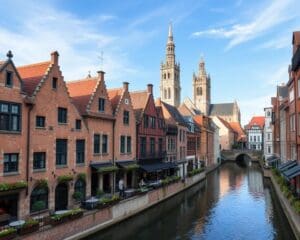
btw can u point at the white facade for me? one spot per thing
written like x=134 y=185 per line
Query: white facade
x=255 y=137
x=268 y=133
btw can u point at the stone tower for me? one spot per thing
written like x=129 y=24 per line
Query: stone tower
x=201 y=89
x=170 y=89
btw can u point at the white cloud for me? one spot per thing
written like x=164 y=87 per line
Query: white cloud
x=42 y=29
x=276 y=13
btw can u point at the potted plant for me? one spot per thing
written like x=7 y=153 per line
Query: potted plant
x=77 y=196
x=8 y=233
x=29 y=226
x=76 y=213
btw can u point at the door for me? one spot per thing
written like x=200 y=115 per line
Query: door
x=61 y=197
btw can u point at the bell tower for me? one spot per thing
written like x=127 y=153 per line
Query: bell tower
x=201 y=89
x=170 y=89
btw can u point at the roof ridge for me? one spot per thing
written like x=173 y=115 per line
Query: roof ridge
x=139 y=91
x=112 y=89
x=81 y=80
x=34 y=64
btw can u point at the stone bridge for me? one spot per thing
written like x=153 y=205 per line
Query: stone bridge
x=237 y=155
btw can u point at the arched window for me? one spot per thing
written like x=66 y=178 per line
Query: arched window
x=165 y=94
x=199 y=91
x=80 y=187
x=39 y=199
x=165 y=76
x=168 y=75
x=169 y=93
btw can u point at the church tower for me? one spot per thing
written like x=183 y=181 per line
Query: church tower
x=170 y=89
x=201 y=89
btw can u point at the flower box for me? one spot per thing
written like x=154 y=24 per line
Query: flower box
x=29 y=229
x=8 y=234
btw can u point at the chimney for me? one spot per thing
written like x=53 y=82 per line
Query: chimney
x=101 y=75
x=54 y=58
x=125 y=86
x=150 y=88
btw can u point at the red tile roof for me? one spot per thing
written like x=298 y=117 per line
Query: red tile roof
x=114 y=96
x=139 y=100
x=257 y=120
x=32 y=75
x=81 y=92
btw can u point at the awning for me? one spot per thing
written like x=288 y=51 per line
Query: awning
x=272 y=159
x=156 y=167
x=292 y=172
x=127 y=165
x=103 y=167
x=287 y=165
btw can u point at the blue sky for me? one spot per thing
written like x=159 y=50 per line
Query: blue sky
x=246 y=44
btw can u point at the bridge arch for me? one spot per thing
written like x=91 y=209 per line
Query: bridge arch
x=243 y=157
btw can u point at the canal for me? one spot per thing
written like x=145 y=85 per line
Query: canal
x=234 y=202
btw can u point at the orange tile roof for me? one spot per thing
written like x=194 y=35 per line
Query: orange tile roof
x=114 y=96
x=236 y=126
x=257 y=120
x=81 y=92
x=226 y=124
x=32 y=75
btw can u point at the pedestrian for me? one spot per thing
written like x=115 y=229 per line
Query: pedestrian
x=121 y=187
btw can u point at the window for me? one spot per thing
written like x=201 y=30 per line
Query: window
x=126 y=117
x=104 y=143
x=291 y=95
x=143 y=146
x=128 y=144
x=61 y=151
x=152 y=146
x=254 y=138
x=54 y=83
x=38 y=195
x=122 y=146
x=96 y=143
x=10 y=116
x=77 y=124
x=160 y=145
x=258 y=138
x=165 y=94
x=11 y=161
x=199 y=91
x=80 y=188
x=80 y=151
x=40 y=121
x=101 y=105
x=152 y=122
x=169 y=93
x=292 y=123
x=146 y=121
x=9 y=79
x=168 y=75
x=62 y=115
x=269 y=136
x=269 y=149
x=39 y=160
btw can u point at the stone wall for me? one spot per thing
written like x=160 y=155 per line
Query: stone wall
x=94 y=221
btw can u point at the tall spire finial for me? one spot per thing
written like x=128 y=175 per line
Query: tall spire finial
x=170 y=35
x=9 y=55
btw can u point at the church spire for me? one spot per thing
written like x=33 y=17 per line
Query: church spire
x=170 y=35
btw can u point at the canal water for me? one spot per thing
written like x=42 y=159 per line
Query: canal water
x=234 y=202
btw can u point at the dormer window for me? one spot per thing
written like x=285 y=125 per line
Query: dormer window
x=54 y=83
x=101 y=104
x=9 y=79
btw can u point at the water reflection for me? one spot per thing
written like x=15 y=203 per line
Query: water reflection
x=233 y=203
